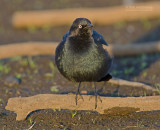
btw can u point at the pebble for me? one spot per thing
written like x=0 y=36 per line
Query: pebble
x=12 y=81
x=48 y=75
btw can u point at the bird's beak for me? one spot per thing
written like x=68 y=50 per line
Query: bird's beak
x=89 y=26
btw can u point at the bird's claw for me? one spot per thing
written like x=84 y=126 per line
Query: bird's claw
x=78 y=93
x=81 y=97
x=96 y=96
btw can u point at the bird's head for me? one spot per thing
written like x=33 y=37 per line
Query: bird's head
x=81 y=27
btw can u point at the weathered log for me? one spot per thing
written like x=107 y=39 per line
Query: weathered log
x=101 y=16
x=110 y=105
x=121 y=82
x=135 y=49
x=27 y=49
x=48 y=48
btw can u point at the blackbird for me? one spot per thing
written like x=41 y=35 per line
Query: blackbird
x=80 y=56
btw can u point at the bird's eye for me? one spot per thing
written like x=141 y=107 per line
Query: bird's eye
x=80 y=26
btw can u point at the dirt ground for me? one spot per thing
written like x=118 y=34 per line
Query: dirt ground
x=27 y=76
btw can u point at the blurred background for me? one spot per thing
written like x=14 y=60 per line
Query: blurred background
x=27 y=75
x=122 y=32
x=139 y=31
x=143 y=68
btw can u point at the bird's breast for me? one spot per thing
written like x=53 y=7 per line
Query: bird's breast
x=88 y=65
x=79 y=44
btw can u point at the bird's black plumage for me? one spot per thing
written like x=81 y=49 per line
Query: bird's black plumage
x=80 y=56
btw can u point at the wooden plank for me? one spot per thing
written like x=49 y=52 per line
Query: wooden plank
x=101 y=16
x=110 y=105
x=48 y=48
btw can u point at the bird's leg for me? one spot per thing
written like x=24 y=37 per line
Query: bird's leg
x=96 y=95
x=78 y=93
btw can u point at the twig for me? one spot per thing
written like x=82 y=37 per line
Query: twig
x=31 y=126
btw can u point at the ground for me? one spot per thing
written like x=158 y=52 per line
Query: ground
x=27 y=76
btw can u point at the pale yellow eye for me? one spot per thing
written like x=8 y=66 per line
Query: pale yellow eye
x=80 y=26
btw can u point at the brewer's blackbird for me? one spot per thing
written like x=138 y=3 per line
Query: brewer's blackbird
x=81 y=57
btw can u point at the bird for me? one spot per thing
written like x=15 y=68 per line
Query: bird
x=80 y=56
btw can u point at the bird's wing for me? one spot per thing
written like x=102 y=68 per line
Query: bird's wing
x=98 y=38
x=65 y=36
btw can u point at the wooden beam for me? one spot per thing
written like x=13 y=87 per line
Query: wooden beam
x=110 y=105
x=27 y=49
x=101 y=16
x=135 y=49
x=48 y=48
x=121 y=82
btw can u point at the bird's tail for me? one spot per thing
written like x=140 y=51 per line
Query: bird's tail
x=106 y=78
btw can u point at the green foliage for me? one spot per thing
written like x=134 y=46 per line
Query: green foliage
x=157 y=85
x=52 y=67
x=30 y=121
x=128 y=70
x=4 y=128
x=94 y=120
x=79 y=118
x=32 y=29
x=131 y=94
x=7 y=69
x=16 y=58
x=54 y=89
x=24 y=62
x=31 y=62
x=6 y=91
x=73 y=113
x=140 y=124
x=1 y=100
x=115 y=72
x=4 y=68
x=36 y=71
x=146 y=23
x=143 y=65
x=144 y=74
x=65 y=128
x=46 y=28
x=19 y=76
x=54 y=110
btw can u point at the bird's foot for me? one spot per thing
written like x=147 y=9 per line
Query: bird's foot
x=77 y=97
x=96 y=97
x=78 y=93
